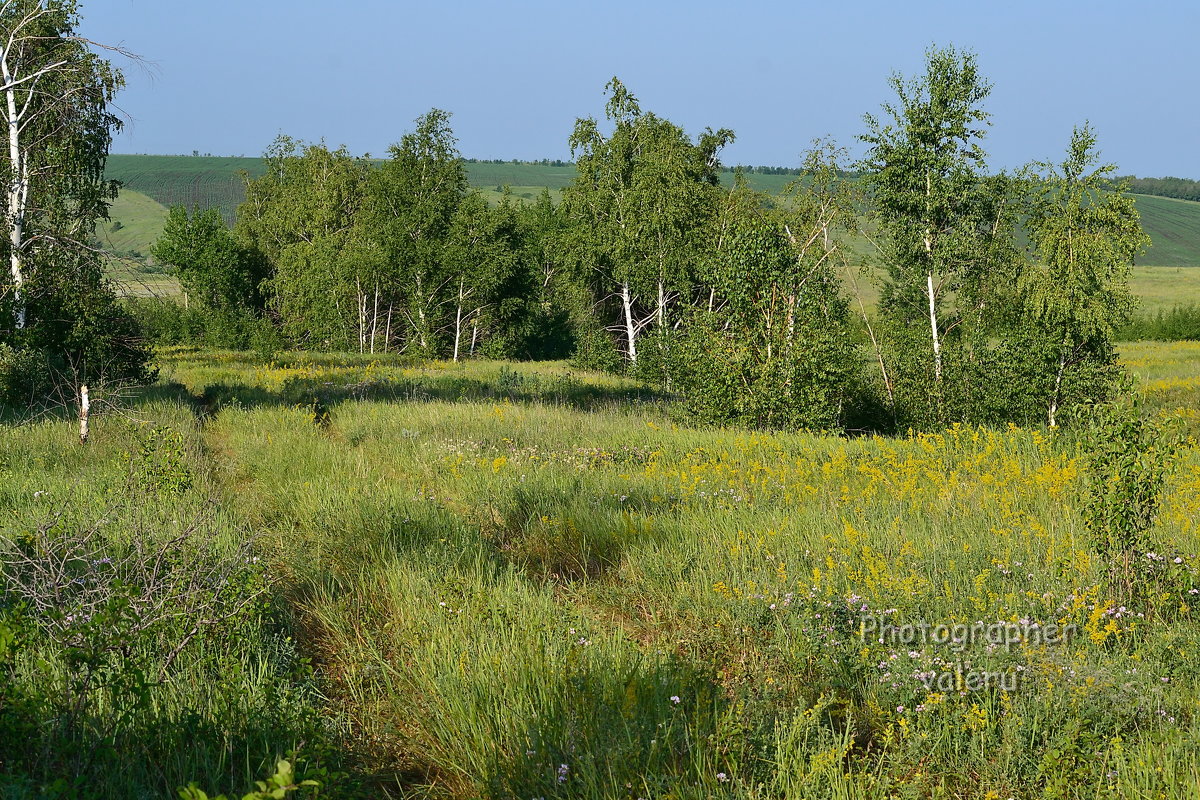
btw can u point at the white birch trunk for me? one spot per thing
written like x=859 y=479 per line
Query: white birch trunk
x=933 y=327
x=420 y=316
x=375 y=319
x=928 y=242
x=791 y=320
x=458 y=320
x=1062 y=368
x=362 y=322
x=16 y=195
x=85 y=407
x=630 y=328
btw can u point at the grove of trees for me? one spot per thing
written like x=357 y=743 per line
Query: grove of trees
x=1000 y=293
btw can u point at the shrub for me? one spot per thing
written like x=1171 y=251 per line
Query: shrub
x=1129 y=457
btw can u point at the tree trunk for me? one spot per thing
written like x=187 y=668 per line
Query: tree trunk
x=421 y=317
x=85 y=407
x=375 y=319
x=17 y=195
x=630 y=328
x=362 y=317
x=933 y=328
x=458 y=319
x=791 y=320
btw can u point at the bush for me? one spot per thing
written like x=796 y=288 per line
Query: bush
x=731 y=378
x=24 y=376
x=1129 y=457
x=166 y=323
x=1180 y=323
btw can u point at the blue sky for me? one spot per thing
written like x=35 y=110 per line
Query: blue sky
x=226 y=76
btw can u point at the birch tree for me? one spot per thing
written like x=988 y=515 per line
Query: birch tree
x=644 y=193
x=1085 y=231
x=494 y=287
x=55 y=92
x=411 y=204
x=769 y=344
x=938 y=215
x=302 y=216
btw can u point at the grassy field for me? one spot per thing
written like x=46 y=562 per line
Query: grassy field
x=1174 y=228
x=518 y=580
x=203 y=181
x=135 y=222
x=1156 y=288
x=1161 y=288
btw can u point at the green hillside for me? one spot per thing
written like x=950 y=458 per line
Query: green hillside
x=135 y=222
x=207 y=181
x=203 y=181
x=1174 y=227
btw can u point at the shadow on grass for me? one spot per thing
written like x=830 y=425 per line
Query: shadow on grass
x=323 y=394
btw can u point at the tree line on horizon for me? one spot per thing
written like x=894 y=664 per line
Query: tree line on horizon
x=1001 y=297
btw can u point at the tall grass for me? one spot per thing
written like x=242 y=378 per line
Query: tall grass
x=526 y=581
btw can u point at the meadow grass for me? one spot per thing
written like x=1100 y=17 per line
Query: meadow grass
x=90 y=715
x=524 y=580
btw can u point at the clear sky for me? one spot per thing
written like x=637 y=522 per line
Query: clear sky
x=226 y=76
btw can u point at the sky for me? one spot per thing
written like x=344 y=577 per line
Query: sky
x=226 y=76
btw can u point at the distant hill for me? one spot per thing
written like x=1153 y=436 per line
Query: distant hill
x=217 y=181
x=1174 y=228
x=204 y=181
x=213 y=181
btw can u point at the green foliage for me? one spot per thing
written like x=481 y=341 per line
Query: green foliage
x=300 y=217
x=140 y=646
x=410 y=209
x=562 y=317
x=58 y=302
x=282 y=784
x=1178 y=188
x=1176 y=324
x=947 y=229
x=212 y=267
x=772 y=348
x=24 y=376
x=641 y=201
x=495 y=289
x=1085 y=233
x=160 y=464
x=84 y=331
x=1130 y=455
